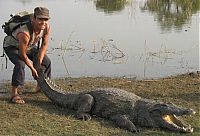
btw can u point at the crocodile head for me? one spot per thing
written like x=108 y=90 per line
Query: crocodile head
x=167 y=116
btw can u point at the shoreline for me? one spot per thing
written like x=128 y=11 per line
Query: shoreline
x=193 y=73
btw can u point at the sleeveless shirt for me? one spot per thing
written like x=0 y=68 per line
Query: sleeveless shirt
x=12 y=40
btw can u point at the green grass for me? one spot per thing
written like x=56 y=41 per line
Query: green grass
x=40 y=117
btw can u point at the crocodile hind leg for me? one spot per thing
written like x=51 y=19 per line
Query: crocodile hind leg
x=124 y=122
x=85 y=103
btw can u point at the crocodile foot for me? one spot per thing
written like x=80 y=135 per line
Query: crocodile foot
x=123 y=121
x=83 y=116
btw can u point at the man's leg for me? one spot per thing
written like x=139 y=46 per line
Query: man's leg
x=18 y=72
x=15 y=98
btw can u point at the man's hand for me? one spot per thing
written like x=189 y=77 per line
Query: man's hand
x=34 y=74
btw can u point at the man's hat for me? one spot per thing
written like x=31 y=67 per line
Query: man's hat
x=41 y=12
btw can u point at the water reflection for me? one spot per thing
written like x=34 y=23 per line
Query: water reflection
x=172 y=13
x=104 y=50
x=24 y=2
x=164 y=56
x=125 y=41
x=110 y=6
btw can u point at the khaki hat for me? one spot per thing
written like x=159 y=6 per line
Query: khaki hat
x=41 y=12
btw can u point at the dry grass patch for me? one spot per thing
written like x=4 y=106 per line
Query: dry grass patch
x=40 y=117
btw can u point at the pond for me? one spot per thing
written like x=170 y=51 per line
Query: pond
x=132 y=38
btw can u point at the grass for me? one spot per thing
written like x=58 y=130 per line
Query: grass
x=40 y=117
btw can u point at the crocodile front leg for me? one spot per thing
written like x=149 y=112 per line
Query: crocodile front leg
x=124 y=122
x=84 y=106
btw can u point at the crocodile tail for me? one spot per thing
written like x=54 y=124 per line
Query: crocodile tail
x=50 y=89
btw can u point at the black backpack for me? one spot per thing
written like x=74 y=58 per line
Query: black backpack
x=16 y=21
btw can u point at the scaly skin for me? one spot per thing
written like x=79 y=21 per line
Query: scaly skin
x=126 y=109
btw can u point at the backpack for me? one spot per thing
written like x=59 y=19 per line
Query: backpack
x=16 y=21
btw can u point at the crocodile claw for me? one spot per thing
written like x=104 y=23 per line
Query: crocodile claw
x=83 y=116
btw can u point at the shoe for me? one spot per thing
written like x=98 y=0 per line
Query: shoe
x=17 y=100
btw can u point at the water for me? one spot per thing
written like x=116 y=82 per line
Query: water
x=132 y=39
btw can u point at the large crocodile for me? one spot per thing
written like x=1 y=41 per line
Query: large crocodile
x=126 y=109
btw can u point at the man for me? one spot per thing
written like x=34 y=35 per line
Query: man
x=20 y=50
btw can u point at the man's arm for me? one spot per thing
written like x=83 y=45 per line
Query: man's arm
x=23 y=43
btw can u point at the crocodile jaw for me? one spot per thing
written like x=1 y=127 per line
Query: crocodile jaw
x=173 y=121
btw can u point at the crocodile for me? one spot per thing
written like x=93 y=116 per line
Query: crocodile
x=127 y=110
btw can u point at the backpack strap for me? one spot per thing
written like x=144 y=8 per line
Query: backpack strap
x=4 y=55
x=30 y=29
